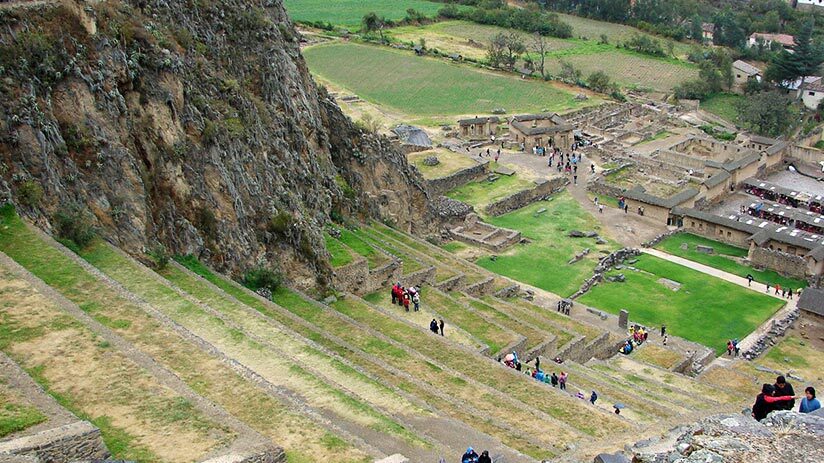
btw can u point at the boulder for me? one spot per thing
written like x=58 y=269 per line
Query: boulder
x=705 y=249
x=431 y=161
x=685 y=247
x=575 y=234
x=611 y=458
x=673 y=285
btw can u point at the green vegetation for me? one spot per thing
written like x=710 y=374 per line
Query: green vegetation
x=373 y=257
x=483 y=192
x=543 y=262
x=16 y=417
x=819 y=144
x=349 y=13
x=705 y=309
x=455 y=247
x=339 y=252
x=723 y=105
x=429 y=87
x=658 y=136
x=450 y=162
x=724 y=258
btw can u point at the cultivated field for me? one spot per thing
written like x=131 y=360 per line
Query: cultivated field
x=350 y=12
x=626 y=67
x=705 y=309
x=428 y=87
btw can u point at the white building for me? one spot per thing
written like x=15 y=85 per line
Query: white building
x=813 y=94
x=808 y=4
x=786 y=40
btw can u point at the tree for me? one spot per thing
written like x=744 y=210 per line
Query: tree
x=697 y=29
x=599 y=81
x=504 y=50
x=766 y=113
x=371 y=22
x=540 y=46
x=803 y=62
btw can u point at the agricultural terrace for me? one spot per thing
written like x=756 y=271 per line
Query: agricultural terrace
x=350 y=12
x=702 y=309
x=483 y=192
x=723 y=105
x=543 y=261
x=724 y=257
x=587 y=55
x=430 y=87
x=450 y=162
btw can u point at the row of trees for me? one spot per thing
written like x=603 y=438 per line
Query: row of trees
x=497 y=13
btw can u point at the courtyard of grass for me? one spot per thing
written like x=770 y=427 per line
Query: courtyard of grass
x=428 y=87
x=724 y=258
x=481 y=193
x=704 y=309
x=450 y=162
x=543 y=261
x=723 y=105
x=349 y=13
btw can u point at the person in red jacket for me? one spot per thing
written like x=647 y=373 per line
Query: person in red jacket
x=406 y=301
x=766 y=402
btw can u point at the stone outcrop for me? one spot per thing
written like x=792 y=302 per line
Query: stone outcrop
x=192 y=124
x=769 y=339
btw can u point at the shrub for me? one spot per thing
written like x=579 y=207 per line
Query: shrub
x=280 y=223
x=159 y=255
x=262 y=277
x=30 y=193
x=74 y=224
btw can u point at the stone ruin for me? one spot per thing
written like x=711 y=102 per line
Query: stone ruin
x=474 y=231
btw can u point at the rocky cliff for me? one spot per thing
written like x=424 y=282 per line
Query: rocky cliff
x=191 y=123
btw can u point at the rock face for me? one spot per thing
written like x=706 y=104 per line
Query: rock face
x=193 y=124
x=783 y=436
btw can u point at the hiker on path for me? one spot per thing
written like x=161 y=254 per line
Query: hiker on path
x=749 y=279
x=497 y=155
x=601 y=208
x=416 y=299
x=768 y=288
x=575 y=179
x=396 y=289
x=554 y=379
x=626 y=208
x=729 y=347
x=484 y=458
x=433 y=326
x=790 y=294
x=663 y=330
x=777 y=288
x=592 y=168
x=736 y=347
x=470 y=456
x=406 y=301
x=783 y=388
x=440 y=325
x=562 y=379
x=537 y=363
x=593 y=398
x=809 y=403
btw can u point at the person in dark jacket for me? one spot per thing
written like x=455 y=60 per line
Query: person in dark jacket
x=470 y=456
x=554 y=379
x=433 y=326
x=783 y=388
x=767 y=402
x=484 y=457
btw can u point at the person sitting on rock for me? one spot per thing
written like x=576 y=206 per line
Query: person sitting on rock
x=809 y=403
x=767 y=402
x=470 y=456
x=484 y=458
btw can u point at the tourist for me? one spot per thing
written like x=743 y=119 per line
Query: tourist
x=433 y=326
x=736 y=347
x=790 y=294
x=593 y=398
x=663 y=330
x=440 y=325
x=592 y=168
x=497 y=155
x=767 y=401
x=580 y=395
x=595 y=200
x=749 y=279
x=626 y=208
x=562 y=380
x=537 y=363
x=575 y=179
x=396 y=289
x=601 y=208
x=406 y=301
x=554 y=379
x=470 y=456
x=416 y=299
x=809 y=403
x=783 y=293
x=783 y=388
x=777 y=289
x=484 y=458
x=729 y=347
x=617 y=411
x=666 y=336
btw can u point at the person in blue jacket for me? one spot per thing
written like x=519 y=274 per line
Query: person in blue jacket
x=470 y=456
x=809 y=403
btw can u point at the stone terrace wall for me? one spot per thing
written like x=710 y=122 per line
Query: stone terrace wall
x=520 y=199
x=76 y=441
x=806 y=154
x=275 y=455
x=353 y=277
x=439 y=186
x=781 y=262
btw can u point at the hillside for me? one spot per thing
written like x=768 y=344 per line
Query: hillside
x=191 y=124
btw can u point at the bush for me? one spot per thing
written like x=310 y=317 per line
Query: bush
x=262 y=277
x=280 y=223
x=30 y=193
x=75 y=225
x=599 y=81
x=159 y=255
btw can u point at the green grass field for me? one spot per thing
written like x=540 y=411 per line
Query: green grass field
x=723 y=105
x=350 y=12
x=339 y=252
x=429 y=87
x=705 y=309
x=626 y=67
x=543 y=262
x=450 y=162
x=722 y=259
x=16 y=416
x=483 y=192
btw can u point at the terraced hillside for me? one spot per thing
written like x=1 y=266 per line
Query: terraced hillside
x=211 y=367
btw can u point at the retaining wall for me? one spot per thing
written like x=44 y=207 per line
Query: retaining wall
x=275 y=455
x=76 y=441
x=418 y=278
x=806 y=154
x=481 y=288
x=439 y=186
x=542 y=189
x=781 y=262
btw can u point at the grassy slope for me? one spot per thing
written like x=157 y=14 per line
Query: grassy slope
x=429 y=87
x=15 y=415
x=705 y=310
x=350 y=12
x=358 y=245
x=723 y=105
x=339 y=252
x=721 y=259
x=543 y=262
x=450 y=162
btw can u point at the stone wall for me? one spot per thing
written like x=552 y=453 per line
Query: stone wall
x=419 y=278
x=481 y=288
x=76 y=441
x=353 y=277
x=273 y=455
x=452 y=284
x=384 y=277
x=439 y=186
x=542 y=189
x=806 y=154
x=781 y=262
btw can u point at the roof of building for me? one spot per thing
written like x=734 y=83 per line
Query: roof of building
x=792 y=213
x=762 y=140
x=812 y=300
x=817 y=253
x=554 y=117
x=798 y=239
x=784 y=39
x=795 y=194
x=736 y=163
x=479 y=120
x=808 y=80
x=817 y=86
x=527 y=129
x=669 y=203
x=717 y=179
x=716 y=219
x=708 y=27
x=776 y=148
x=746 y=67
x=412 y=136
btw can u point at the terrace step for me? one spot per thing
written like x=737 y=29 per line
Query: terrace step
x=268 y=411
x=258 y=355
x=406 y=253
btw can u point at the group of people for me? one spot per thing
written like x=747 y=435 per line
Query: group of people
x=781 y=396
x=403 y=296
x=637 y=336
x=733 y=348
x=786 y=293
x=622 y=204
x=436 y=326
x=472 y=457
x=564 y=306
x=555 y=380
